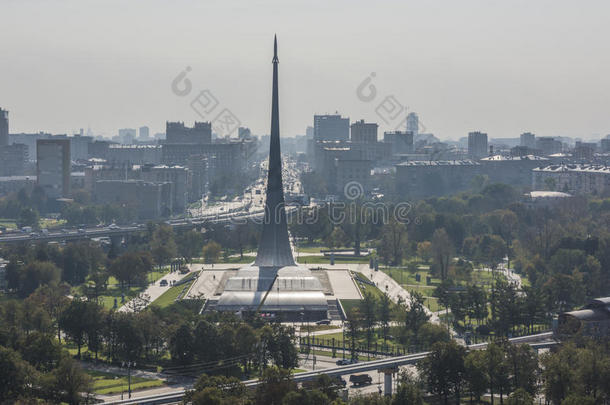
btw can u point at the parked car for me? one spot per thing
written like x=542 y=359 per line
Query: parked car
x=323 y=322
x=360 y=379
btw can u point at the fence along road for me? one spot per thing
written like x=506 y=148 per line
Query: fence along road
x=387 y=366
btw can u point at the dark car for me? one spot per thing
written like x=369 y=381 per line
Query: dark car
x=323 y=322
x=360 y=379
x=345 y=362
x=163 y=283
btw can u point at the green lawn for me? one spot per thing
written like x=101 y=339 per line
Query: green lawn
x=348 y=305
x=326 y=260
x=169 y=296
x=310 y=249
x=407 y=280
x=114 y=289
x=361 y=342
x=338 y=354
x=52 y=223
x=8 y=223
x=109 y=383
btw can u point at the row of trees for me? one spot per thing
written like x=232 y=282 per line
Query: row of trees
x=405 y=323
x=504 y=373
x=578 y=373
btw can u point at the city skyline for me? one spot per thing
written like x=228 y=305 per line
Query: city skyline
x=432 y=59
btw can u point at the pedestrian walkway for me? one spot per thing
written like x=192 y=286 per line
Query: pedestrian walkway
x=153 y=291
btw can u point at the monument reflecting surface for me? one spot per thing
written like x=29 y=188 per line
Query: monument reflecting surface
x=285 y=289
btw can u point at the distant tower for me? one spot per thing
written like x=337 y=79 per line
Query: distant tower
x=53 y=166
x=528 y=140
x=274 y=283
x=3 y=127
x=412 y=123
x=144 y=133
x=477 y=145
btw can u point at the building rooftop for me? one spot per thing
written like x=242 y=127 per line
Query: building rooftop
x=439 y=163
x=548 y=194
x=582 y=168
x=512 y=158
x=134 y=146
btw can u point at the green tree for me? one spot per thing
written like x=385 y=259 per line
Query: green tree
x=442 y=252
x=35 y=274
x=131 y=267
x=162 y=245
x=69 y=383
x=394 y=242
x=353 y=329
x=443 y=370
x=476 y=378
x=182 y=345
x=521 y=397
x=17 y=376
x=189 y=244
x=28 y=217
x=415 y=315
x=496 y=370
x=522 y=362
x=275 y=384
x=74 y=321
x=368 y=309
x=211 y=252
x=385 y=314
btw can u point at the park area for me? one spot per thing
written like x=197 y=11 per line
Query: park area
x=109 y=383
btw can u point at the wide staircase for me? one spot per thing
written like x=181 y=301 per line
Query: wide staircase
x=334 y=313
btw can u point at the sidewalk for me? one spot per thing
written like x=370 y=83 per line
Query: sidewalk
x=155 y=290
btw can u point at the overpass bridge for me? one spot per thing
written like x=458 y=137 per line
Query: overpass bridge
x=115 y=231
x=388 y=366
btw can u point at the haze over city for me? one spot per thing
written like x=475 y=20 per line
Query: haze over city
x=501 y=67
x=295 y=203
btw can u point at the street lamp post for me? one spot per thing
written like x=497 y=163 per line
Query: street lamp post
x=129 y=365
x=343 y=330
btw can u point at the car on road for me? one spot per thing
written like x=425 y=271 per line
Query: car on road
x=345 y=362
x=113 y=226
x=81 y=230
x=323 y=322
x=360 y=379
x=163 y=283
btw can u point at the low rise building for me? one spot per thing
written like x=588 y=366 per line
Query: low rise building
x=421 y=179
x=12 y=184
x=350 y=171
x=149 y=199
x=573 y=178
x=119 y=154
x=513 y=170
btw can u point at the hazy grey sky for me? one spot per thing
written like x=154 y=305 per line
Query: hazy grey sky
x=503 y=67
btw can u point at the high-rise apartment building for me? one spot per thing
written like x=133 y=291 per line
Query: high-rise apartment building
x=177 y=132
x=53 y=166
x=477 y=144
x=330 y=128
x=400 y=141
x=144 y=133
x=364 y=132
x=528 y=140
